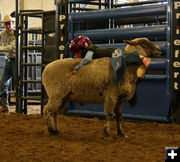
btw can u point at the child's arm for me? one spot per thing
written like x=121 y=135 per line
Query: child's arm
x=85 y=60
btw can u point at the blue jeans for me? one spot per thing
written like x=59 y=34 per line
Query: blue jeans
x=7 y=74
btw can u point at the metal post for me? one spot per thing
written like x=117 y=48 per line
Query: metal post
x=16 y=78
x=25 y=89
x=174 y=41
x=21 y=68
x=43 y=93
x=57 y=25
x=61 y=28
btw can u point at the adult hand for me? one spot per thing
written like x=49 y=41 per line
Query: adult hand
x=1 y=48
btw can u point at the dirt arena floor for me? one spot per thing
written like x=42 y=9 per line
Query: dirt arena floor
x=25 y=138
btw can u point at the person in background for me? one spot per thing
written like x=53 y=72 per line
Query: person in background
x=82 y=47
x=7 y=46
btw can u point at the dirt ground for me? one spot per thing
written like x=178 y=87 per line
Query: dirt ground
x=25 y=138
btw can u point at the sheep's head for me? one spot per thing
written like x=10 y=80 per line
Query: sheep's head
x=143 y=46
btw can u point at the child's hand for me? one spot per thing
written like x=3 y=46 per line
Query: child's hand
x=146 y=61
x=74 y=72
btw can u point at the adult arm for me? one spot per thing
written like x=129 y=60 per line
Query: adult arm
x=10 y=47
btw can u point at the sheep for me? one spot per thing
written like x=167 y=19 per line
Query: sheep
x=92 y=85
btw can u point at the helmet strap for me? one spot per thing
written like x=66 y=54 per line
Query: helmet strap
x=78 y=54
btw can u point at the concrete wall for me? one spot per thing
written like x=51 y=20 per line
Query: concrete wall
x=8 y=6
x=39 y=4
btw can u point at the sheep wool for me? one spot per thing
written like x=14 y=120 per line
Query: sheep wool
x=93 y=84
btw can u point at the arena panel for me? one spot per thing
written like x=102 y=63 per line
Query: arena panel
x=154 y=96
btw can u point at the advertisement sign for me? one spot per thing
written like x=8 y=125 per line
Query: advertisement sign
x=175 y=46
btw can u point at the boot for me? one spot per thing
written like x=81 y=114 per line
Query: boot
x=3 y=110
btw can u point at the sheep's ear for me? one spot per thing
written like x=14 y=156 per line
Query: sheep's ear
x=146 y=43
x=130 y=42
x=141 y=71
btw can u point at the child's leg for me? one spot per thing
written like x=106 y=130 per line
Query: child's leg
x=133 y=58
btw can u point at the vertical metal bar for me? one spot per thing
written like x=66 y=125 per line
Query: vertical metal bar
x=70 y=7
x=21 y=68
x=35 y=53
x=111 y=4
x=62 y=19
x=168 y=47
x=105 y=4
x=100 y=4
x=67 y=24
x=168 y=51
x=70 y=29
x=42 y=68
x=25 y=68
x=32 y=58
x=57 y=28
x=111 y=21
x=16 y=78
x=34 y=69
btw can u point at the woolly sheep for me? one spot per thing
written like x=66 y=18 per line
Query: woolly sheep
x=93 y=84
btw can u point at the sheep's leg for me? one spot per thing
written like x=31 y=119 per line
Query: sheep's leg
x=109 y=105
x=55 y=106
x=117 y=112
x=51 y=119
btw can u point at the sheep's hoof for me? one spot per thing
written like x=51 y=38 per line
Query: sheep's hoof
x=122 y=135
x=54 y=133
x=106 y=133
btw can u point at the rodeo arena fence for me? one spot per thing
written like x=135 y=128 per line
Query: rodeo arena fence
x=107 y=25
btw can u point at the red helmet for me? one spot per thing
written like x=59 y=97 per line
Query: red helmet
x=79 y=43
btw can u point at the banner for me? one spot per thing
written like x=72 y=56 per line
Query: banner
x=175 y=45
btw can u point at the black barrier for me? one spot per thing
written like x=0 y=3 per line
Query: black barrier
x=125 y=33
x=175 y=45
x=119 y=13
x=61 y=28
x=79 y=1
x=151 y=21
x=162 y=44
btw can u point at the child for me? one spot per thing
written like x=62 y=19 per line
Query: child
x=82 y=47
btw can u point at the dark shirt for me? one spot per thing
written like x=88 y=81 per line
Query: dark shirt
x=94 y=52
x=99 y=52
